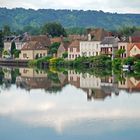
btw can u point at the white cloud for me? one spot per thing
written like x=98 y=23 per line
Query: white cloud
x=121 y=6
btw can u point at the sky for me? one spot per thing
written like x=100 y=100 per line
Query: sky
x=119 y=6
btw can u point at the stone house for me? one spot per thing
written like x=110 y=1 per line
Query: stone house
x=74 y=50
x=109 y=45
x=36 y=47
x=62 y=49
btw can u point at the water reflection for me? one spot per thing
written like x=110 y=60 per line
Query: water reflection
x=53 y=104
x=95 y=87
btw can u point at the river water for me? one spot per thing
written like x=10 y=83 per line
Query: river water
x=68 y=105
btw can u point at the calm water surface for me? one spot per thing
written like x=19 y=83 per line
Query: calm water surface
x=38 y=105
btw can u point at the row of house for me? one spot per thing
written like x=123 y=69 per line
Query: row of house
x=94 y=43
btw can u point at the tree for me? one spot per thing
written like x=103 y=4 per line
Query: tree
x=53 y=48
x=54 y=29
x=6 y=30
x=13 y=48
x=1 y=43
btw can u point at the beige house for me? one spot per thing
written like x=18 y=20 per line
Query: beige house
x=124 y=46
x=62 y=49
x=36 y=47
x=74 y=50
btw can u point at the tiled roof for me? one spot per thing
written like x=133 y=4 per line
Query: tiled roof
x=98 y=34
x=33 y=45
x=43 y=39
x=56 y=39
x=110 y=40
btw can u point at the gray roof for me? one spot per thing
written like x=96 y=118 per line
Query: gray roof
x=110 y=40
x=136 y=34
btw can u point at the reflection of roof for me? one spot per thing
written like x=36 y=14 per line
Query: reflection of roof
x=96 y=94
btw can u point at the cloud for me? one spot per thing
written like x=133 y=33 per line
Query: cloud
x=121 y=6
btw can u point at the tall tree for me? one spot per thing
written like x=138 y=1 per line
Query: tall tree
x=13 y=48
x=6 y=30
x=1 y=43
x=54 y=29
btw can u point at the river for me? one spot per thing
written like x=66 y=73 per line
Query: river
x=69 y=105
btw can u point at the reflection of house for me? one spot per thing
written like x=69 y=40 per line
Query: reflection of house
x=130 y=84
x=36 y=79
x=36 y=47
x=96 y=94
x=90 y=81
x=74 y=50
x=74 y=78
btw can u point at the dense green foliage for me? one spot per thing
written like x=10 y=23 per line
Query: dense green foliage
x=13 y=48
x=53 y=48
x=54 y=29
x=18 y=18
x=1 y=42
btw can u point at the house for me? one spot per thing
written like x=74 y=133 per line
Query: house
x=134 y=50
x=91 y=47
x=109 y=45
x=62 y=49
x=74 y=50
x=123 y=44
x=37 y=46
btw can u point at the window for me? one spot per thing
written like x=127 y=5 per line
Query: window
x=41 y=55
x=70 y=56
x=44 y=54
x=24 y=55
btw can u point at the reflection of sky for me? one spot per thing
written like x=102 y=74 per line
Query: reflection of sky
x=69 y=112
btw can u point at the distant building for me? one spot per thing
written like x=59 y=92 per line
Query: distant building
x=74 y=50
x=62 y=49
x=36 y=47
x=109 y=45
x=91 y=47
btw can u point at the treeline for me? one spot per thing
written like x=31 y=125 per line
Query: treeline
x=56 y=29
x=20 y=18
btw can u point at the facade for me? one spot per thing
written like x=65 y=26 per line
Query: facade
x=135 y=50
x=62 y=49
x=90 y=48
x=32 y=50
x=108 y=46
x=74 y=50
x=36 y=47
x=125 y=47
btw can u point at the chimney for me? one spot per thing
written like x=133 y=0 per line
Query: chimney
x=89 y=37
x=130 y=39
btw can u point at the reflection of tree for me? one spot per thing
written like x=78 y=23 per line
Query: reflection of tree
x=54 y=89
x=14 y=74
x=1 y=76
x=53 y=77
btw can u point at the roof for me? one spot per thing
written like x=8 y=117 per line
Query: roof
x=135 y=44
x=33 y=45
x=56 y=39
x=98 y=34
x=65 y=45
x=75 y=44
x=110 y=40
x=43 y=39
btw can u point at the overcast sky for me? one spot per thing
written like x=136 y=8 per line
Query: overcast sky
x=120 y=6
